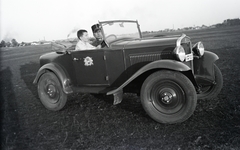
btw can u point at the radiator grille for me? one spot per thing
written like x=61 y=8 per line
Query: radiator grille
x=187 y=47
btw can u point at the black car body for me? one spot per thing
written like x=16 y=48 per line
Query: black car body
x=168 y=72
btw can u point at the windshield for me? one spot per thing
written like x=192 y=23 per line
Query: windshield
x=117 y=30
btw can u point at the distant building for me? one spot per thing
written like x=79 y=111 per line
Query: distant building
x=34 y=43
x=212 y=26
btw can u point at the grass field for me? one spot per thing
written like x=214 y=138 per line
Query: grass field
x=90 y=123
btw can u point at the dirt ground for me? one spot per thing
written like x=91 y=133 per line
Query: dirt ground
x=87 y=122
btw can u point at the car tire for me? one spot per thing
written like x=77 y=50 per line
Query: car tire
x=212 y=91
x=50 y=92
x=168 y=97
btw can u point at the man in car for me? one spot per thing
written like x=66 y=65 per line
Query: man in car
x=83 y=43
x=96 y=29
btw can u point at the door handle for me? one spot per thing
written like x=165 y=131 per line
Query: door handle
x=75 y=59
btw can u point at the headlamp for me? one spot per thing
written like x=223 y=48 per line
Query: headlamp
x=180 y=53
x=198 y=49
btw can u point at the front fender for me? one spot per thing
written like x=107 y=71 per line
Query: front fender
x=59 y=72
x=203 y=67
x=160 y=64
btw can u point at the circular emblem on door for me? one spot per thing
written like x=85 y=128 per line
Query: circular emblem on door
x=88 y=61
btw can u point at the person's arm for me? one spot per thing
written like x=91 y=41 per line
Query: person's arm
x=97 y=43
x=99 y=46
x=91 y=46
x=77 y=48
x=80 y=46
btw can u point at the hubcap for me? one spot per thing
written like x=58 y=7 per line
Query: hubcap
x=51 y=90
x=167 y=97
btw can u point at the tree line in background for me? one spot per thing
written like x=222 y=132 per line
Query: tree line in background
x=229 y=22
x=14 y=43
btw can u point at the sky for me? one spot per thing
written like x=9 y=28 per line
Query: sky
x=34 y=20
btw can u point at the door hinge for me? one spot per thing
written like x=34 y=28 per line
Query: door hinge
x=104 y=57
x=107 y=78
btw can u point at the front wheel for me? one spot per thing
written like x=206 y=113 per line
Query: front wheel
x=168 y=97
x=50 y=92
x=211 y=91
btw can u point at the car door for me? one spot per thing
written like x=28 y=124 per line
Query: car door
x=90 y=67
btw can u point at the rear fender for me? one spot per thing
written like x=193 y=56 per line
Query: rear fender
x=59 y=72
x=161 y=64
x=203 y=67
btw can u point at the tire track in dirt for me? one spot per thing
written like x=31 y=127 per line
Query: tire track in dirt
x=9 y=111
x=18 y=103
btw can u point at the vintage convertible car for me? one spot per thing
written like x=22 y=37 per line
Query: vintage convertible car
x=167 y=72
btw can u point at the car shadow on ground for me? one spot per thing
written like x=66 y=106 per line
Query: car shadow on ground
x=28 y=73
x=130 y=102
x=9 y=111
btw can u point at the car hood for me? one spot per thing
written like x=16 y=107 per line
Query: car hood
x=144 y=42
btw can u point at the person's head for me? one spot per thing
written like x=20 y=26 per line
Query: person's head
x=96 y=29
x=83 y=35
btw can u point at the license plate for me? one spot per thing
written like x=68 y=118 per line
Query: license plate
x=189 y=57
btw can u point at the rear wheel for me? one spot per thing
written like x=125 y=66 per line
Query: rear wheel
x=50 y=92
x=211 y=91
x=168 y=97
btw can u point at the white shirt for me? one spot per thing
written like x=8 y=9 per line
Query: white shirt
x=84 y=46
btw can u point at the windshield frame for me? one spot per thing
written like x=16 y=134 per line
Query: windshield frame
x=101 y=23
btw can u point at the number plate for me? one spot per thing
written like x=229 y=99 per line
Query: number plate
x=189 y=57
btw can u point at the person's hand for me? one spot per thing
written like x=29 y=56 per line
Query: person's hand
x=99 y=46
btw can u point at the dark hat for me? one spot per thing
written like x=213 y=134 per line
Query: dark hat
x=95 y=28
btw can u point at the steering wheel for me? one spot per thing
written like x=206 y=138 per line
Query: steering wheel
x=111 y=37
